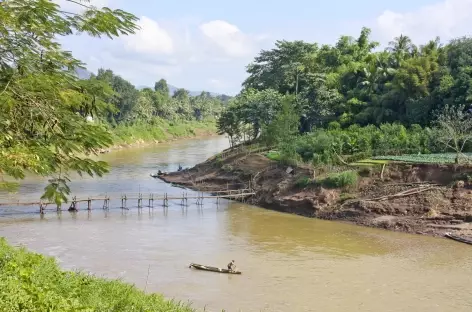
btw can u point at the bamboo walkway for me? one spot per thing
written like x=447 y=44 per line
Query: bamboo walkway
x=240 y=194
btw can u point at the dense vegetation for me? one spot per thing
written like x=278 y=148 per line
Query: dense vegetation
x=332 y=104
x=51 y=121
x=153 y=114
x=32 y=282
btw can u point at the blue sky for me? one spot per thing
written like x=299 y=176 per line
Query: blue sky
x=206 y=44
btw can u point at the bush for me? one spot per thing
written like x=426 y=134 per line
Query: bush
x=273 y=155
x=303 y=182
x=355 y=143
x=341 y=180
x=32 y=282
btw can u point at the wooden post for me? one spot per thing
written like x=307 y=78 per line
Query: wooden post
x=140 y=201
x=106 y=202
x=89 y=204
x=165 y=201
x=123 y=202
x=151 y=201
x=41 y=208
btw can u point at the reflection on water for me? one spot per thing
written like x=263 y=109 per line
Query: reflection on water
x=289 y=263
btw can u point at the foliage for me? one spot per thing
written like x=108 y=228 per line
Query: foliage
x=445 y=158
x=344 y=179
x=454 y=129
x=51 y=121
x=254 y=108
x=284 y=126
x=303 y=182
x=44 y=108
x=32 y=282
x=352 y=84
x=273 y=155
x=355 y=143
x=340 y=180
x=159 y=129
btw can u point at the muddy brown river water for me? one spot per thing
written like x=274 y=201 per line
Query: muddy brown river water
x=289 y=263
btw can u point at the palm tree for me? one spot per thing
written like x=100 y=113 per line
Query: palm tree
x=402 y=47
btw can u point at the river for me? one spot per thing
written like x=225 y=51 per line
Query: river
x=289 y=263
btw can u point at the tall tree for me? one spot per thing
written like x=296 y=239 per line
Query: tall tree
x=162 y=87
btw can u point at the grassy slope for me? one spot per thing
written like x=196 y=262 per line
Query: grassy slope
x=162 y=130
x=30 y=282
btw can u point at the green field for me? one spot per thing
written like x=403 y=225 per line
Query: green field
x=445 y=158
x=369 y=162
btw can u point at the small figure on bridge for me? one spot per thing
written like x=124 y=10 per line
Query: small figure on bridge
x=180 y=168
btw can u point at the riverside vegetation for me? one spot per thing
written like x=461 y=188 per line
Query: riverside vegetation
x=32 y=282
x=338 y=114
x=376 y=137
x=52 y=122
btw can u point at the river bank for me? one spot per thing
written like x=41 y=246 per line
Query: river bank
x=422 y=199
x=345 y=266
x=32 y=282
x=141 y=135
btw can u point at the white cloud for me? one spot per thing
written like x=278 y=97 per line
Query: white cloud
x=191 y=54
x=447 y=19
x=229 y=38
x=149 y=39
x=216 y=83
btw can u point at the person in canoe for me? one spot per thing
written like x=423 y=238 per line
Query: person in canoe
x=231 y=266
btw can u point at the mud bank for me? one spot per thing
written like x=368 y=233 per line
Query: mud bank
x=422 y=199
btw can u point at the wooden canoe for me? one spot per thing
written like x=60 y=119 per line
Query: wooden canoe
x=458 y=238
x=212 y=269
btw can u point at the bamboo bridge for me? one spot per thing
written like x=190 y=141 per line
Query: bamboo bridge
x=151 y=200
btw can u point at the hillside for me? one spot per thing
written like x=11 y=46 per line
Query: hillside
x=85 y=74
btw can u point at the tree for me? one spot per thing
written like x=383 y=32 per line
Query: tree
x=280 y=68
x=228 y=123
x=162 y=87
x=144 y=109
x=285 y=124
x=125 y=96
x=42 y=104
x=258 y=108
x=454 y=129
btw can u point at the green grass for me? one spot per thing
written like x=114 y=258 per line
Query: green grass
x=341 y=180
x=30 y=282
x=273 y=155
x=369 y=162
x=161 y=130
x=445 y=158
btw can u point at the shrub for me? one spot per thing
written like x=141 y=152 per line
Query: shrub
x=303 y=182
x=273 y=155
x=354 y=143
x=341 y=180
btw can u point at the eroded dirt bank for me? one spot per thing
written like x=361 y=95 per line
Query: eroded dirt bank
x=423 y=199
